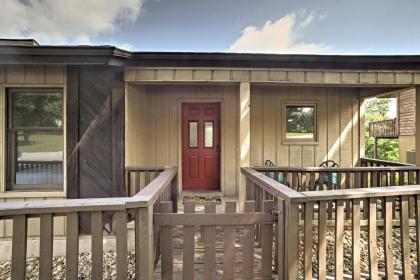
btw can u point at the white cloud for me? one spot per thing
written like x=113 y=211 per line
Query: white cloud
x=65 y=21
x=282 y=36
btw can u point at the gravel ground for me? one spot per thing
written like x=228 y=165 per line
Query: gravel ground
x=59 y=267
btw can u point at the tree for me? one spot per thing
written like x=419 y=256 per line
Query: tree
x=377 y=109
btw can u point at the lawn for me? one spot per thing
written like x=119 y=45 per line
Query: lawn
x=41 y=142
x=299 y=135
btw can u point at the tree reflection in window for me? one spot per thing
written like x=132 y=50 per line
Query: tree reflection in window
x=300 y=122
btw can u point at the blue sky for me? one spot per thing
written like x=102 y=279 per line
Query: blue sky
x=270 y=26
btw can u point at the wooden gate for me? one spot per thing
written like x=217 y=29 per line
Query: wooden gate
x=216 y=245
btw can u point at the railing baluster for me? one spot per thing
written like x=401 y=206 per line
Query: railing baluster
x=248 y=245
x=19 y=247
x=266 y=243
x=339 y=240
x=388 y=231
x=308 y=237
x=356 y=239
x=97 y=244
x=373 y=255
x=46 y=246
x=121 y=242
x=72 y=245
x=322 y=241
x=405 y=238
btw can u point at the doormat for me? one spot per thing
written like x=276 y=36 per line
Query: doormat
x=201 y=200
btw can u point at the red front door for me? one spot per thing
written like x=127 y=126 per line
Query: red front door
x=201 y=146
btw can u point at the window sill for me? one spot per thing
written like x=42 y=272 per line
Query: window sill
x=30 y=194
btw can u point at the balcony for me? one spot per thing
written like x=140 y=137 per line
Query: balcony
x=384 y=129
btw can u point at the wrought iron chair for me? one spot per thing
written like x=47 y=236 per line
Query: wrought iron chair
x=326 y=179
x=280 y=179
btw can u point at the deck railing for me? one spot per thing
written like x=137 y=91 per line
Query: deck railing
x=371 y=162
x=384 y=129
x=344 y=228
x=141 y=206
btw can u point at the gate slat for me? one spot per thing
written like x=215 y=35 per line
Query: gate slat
x=166 y=244
x=229 y=243
x=97 y=244
x=267 y=243
x=19 y=247
x=188 y=241
x=248 y=245
x=72 y=245
x=46 y=246
x=209 y=245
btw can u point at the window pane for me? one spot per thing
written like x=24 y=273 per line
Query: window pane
x=300 y=122
x=37 y=158
x=36 y=109
x=208 y=134
x=193 y=134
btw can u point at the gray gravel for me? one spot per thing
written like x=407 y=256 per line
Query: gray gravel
x=59 y=267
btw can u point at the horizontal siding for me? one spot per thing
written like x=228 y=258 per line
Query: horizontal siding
x=338 y=126
x=407 y=113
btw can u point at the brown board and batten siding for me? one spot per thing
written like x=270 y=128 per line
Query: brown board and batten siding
x=153 y=116
x=15 y=76
x=338 y=126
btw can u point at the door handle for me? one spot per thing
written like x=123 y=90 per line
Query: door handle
x=218 y=148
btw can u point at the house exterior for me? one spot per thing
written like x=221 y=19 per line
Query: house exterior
x=96 y=110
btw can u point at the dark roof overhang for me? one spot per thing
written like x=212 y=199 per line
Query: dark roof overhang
x=109 y=55
x=70 y=55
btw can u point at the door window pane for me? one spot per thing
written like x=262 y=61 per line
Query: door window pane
x=208 y=134
x=193 y=131
x=300 y=122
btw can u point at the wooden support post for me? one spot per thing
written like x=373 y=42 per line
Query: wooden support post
x=144 y=244
x=244 y=136
x=281 y=267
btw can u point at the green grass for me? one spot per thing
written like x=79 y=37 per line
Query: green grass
x=299 y=134
x=41 y=142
